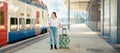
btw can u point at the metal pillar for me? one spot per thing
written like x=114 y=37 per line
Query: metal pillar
x=96 y=14
x=109 y=19
x=69 y=14
x=102 y=17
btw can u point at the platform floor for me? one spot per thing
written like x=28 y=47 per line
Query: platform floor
x=83 y=40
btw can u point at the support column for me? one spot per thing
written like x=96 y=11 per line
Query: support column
x=118 y=21
x=114 y=17
x=102 y=17
x=69 y=14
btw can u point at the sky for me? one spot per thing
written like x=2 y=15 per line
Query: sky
x=57 y=6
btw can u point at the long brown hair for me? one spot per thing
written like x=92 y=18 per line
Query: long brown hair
x=55 y=14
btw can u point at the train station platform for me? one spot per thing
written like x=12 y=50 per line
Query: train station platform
x=83 y=40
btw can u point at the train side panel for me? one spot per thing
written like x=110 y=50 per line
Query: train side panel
x=16 y=12
x=22 y=27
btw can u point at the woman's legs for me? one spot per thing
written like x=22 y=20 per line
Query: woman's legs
x=53 y=36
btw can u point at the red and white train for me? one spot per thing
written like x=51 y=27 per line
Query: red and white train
x=20 y=19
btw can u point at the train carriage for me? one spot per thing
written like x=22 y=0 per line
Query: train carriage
x=21 y=19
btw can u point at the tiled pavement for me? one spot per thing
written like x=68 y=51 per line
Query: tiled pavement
x=83 y=40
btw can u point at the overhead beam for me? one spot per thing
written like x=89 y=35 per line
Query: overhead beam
x=79 y=2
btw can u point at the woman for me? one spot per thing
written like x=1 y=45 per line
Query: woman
x=53 y=24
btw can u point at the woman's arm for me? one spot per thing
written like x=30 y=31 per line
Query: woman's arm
x=60 y=25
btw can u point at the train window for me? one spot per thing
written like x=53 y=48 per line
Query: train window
x=33 y=23
x=13 y=24
x=1 y=18
x=21 y=23
x=28 y=21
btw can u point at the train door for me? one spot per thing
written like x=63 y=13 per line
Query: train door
x=37 y=23
x=3 y=23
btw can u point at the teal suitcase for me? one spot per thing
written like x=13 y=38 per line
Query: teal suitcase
x=64 y=40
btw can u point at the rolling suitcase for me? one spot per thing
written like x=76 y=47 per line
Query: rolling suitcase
x=64 y=40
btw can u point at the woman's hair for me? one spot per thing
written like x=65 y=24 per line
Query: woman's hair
x=55 y=14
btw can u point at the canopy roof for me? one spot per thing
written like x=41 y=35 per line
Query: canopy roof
x=78 y=4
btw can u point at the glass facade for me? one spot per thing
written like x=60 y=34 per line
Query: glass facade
x=110 y=27
x=94 y=15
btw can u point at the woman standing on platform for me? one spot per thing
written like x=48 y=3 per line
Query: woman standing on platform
x=53 y=25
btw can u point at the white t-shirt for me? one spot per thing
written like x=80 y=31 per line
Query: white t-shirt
x=54 y=22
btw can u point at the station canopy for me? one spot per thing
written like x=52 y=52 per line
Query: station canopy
x=78 y=4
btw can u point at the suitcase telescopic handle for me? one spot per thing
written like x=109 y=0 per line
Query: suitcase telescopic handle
x=64 y=31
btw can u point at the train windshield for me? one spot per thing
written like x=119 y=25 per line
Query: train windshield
x=1 y=17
